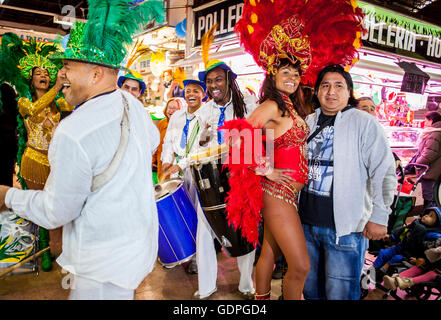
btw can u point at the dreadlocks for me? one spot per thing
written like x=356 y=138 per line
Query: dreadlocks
x=239 y=106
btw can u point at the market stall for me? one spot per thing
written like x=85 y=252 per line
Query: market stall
x=400 y=68
x=392 y=39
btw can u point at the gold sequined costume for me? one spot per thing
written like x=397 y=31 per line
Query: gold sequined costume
x=41 y=118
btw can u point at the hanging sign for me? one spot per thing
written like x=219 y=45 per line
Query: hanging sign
x=225 y=13
x=28 y=35
x=398 y=34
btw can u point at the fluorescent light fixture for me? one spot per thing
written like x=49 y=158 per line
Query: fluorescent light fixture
x=63 y=22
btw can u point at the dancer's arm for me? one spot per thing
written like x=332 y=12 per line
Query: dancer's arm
x=264 y=114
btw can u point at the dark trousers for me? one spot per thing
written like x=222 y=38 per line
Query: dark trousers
x=427 y=190
x=7 y=168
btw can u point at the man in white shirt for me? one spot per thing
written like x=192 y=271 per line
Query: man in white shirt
x=227 y=103
x=183 y=131
x=100 y=186
x=180 y=141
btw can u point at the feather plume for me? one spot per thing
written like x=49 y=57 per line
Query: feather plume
x=139 y=49
x=207 y=40
x=179 y=76
x=114 y=22
x=243 y=211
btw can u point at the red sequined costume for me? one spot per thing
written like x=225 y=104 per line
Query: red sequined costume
x=244 y=200
x=315 y=33
x=290 y=152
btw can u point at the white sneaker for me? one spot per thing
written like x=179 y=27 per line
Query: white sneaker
x=197 y=296
x=246 y=295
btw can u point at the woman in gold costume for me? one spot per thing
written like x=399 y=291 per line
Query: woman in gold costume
x=26 y=66
x=41 y=116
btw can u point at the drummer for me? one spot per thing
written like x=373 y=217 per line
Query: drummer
x=181 y=139
x=183 y=132
x=227 y=103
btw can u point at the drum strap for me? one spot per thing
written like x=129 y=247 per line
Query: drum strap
x=104 y=177
x=325 y=124
x=192 y=138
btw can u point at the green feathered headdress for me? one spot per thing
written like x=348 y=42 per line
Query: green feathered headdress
x=36 y=54
x=110 y=26
x=18 y=58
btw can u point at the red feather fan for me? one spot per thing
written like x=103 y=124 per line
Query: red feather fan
x=333 y=29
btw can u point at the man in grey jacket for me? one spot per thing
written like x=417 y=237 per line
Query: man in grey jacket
x=349 y=152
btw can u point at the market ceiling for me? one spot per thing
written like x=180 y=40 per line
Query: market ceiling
x=42 y=15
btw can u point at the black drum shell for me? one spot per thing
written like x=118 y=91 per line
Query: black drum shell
x=212 y=184
x=218 y=222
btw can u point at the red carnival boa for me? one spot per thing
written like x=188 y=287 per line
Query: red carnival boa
x=244 y=200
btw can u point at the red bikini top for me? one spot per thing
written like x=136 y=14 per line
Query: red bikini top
x=297 y=134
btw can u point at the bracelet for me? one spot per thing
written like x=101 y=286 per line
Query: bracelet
x=263 y=296
x=263 y=167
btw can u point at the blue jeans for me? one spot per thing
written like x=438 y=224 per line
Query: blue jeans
x=389 y=255
x=335 y=267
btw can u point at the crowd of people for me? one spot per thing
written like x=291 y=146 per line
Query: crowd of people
x=324 y=191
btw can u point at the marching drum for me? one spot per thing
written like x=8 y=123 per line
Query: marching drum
x=177 y=223
x=212 y=185
x=17 y=240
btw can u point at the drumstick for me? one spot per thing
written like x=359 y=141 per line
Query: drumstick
x=161 y=178
x=15 y=266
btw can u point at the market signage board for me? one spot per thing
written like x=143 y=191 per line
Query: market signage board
x=225 y=13
x=388 y=31
x=28 y=35
x=399 y=40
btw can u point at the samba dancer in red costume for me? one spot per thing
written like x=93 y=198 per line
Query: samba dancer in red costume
x=282 y=228
x=291 y=45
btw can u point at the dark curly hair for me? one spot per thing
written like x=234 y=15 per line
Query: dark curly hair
x=239 y=106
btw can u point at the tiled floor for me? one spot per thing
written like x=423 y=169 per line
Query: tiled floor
x=160 y=284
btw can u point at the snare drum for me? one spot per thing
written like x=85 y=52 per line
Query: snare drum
x=177 y=223
x=17 y=240
x=212 y=185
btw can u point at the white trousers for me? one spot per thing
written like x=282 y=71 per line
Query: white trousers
x=88 y=289
x=206 y=252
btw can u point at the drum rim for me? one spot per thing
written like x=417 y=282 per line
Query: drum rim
x=181 y=182
x=177 y=263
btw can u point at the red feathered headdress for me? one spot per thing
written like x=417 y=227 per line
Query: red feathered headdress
x=315 y=32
